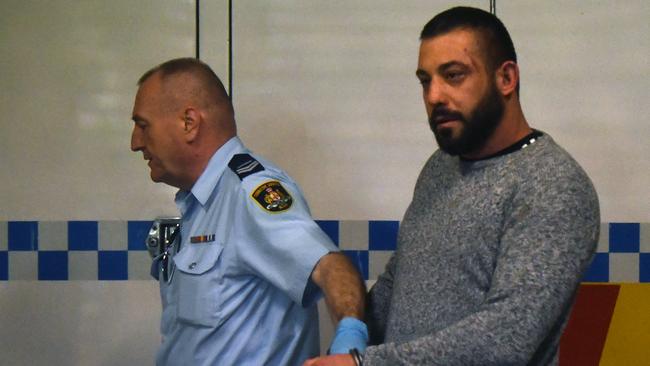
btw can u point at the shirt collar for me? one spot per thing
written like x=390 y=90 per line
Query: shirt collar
x=208 y=180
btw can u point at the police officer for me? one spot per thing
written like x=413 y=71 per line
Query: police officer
x=240 y=285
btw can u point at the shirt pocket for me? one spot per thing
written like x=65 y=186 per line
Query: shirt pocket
x=199 y=284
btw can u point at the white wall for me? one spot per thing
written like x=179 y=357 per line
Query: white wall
x=585 y=80
x=325 y=89
x=328 y=89
x=69 y=72
x=68 y=80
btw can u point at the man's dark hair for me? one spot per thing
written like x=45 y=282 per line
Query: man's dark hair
x=496 y=42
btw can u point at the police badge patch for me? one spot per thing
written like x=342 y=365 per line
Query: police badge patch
x=272 y=197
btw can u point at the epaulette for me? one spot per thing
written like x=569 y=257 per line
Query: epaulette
x=244 y=165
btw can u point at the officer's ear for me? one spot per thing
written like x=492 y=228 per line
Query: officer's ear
x=191 y=123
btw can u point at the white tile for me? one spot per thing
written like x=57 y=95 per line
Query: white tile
x=4 y=236
x=23 y=266
x=377 y=260
x=82 y=265
x=603 y=240
x=370 y=283
x=88 y=83
x=212 y=18
x=113 y=235
x=353 y=235
x=326 y=326
x=139 y=265
x=53 y=235
x=645 y=237
x=624 y=267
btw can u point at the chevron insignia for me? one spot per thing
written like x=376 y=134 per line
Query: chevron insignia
x=244 y=165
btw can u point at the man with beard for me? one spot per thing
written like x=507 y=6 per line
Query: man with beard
x=502 y=225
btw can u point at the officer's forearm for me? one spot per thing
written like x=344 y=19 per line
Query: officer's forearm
x=342 y=286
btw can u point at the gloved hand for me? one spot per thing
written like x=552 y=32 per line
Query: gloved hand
x=350 y=333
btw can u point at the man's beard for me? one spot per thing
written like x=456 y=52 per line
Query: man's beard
x=476 y=129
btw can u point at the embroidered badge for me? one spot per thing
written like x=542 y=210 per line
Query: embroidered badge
x=201 y=239
x=272 y=196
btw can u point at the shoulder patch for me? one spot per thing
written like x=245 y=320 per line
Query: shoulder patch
x=244 y=165
x=272 y=196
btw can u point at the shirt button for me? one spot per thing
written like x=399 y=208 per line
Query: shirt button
x=193 y=265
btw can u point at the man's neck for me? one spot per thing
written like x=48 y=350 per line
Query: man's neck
x=512 y=128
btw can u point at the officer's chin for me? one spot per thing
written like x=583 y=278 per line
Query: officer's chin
x=156 y=176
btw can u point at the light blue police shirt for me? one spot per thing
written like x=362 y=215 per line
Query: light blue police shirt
x=242 y=272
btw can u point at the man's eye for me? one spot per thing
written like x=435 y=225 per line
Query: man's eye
x=424 y=82
x=454 y=76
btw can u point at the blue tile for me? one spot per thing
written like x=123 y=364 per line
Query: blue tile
x=383 y=235
x=137 y=232
x=599 y=269
x=113 y=265
x=644 y=267
x=83 y=235
x=360 y=260
x=23 y=235
x=4 y=266
x=331 y=228
x=53 y=266
x=624 y=237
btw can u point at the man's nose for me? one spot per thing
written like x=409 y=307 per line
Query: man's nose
x=434 y=94
x=136 y=139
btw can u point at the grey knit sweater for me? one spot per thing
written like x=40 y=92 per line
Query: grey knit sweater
x=490 y=254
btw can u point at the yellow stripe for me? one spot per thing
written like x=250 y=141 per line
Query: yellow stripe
x=628 y=339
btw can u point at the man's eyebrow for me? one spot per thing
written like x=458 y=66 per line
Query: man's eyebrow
x=137 y=118
x=447 y=65
x=421 y=73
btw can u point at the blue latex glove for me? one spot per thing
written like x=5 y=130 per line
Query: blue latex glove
x=350 y=333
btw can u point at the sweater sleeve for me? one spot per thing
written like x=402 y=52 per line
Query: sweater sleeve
x=548 y=239
x=378 y=303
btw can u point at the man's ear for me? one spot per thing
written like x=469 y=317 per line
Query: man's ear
x=192 y=122
x=507 y=78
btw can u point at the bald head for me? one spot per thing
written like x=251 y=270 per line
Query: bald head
x=182 y=115
x=190 y=66
x=189 y=81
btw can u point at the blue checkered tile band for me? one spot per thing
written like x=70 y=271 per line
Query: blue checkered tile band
x=115 y=250
x=74 y=250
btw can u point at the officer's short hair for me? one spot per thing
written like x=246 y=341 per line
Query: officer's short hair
x=187 y=65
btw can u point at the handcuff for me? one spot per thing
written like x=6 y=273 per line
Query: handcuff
x=163 y=242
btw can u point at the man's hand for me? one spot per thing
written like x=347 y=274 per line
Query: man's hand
x=334 y=360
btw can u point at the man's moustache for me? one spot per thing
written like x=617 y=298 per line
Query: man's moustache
x=443 y=116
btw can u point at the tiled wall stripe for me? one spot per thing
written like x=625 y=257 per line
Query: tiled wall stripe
x=115 y=250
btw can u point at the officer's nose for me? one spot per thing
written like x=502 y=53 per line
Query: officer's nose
x=137 y=142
